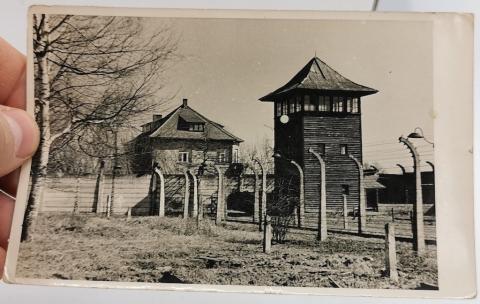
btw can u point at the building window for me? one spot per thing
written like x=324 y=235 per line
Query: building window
x=349 y=105
x=279 y=108
x=355 y=105
x=284 y=107
x=343 y=149
x=321 y=149
x=235 y=156
x=299 y=104
x=196 y=127
x=337 y=104
x=308 y=104
x=222 y=157
x=291 y=105
x=345 y=190
x=183 y=157
x=324 y=104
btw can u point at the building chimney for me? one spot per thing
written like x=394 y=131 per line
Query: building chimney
x=185 y=102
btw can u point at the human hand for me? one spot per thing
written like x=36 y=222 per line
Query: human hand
x=19 y=135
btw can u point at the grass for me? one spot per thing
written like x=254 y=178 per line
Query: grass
x=152 y=249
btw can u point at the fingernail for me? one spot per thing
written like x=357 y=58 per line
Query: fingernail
x=18 y=120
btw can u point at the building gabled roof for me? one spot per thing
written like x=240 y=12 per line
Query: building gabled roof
x=317 y=75
x=168 y=127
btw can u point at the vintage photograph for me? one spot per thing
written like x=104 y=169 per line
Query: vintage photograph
x=232 y=151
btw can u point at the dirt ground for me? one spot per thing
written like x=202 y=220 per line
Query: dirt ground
x=152 y=249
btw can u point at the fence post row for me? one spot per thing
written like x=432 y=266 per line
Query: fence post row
x=361 y=190
x=322 y=212
x=417 y=222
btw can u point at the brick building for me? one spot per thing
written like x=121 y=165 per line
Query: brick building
x=185 y=139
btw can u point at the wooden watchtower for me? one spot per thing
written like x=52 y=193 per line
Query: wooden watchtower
x=318 y=109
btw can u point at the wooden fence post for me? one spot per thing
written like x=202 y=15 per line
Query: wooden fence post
x=77 y=195
x=390 y=252
x=393 y=216
x=267 y=235
x=186 y=199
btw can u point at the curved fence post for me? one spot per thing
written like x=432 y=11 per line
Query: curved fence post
x=417 y=222
x=195 y=194
x=186 y=198
x=161 y=205
x=301 y=198
x=322 y=212
x=220 y=197
x=362 y=212
x=263 y=206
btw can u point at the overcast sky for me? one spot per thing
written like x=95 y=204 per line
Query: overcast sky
x=229 y=63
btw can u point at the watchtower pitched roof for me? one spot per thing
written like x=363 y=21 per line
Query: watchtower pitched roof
x=317 y=75
x=168 y=127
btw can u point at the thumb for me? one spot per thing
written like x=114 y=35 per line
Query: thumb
x=19 y=137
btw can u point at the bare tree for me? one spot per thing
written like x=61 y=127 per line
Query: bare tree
x=93 y=74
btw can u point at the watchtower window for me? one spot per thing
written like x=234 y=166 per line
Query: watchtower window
x=308 y=104
x=299 y=104
x=324 y=103
x=284 y=107
x=345 y=190
x=355 y=105
x=278 y=108
x=337 y=104
x=222 y=156
x=291 y=105
x=343 y=149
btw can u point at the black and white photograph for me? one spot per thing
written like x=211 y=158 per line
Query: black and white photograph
x=232 y=151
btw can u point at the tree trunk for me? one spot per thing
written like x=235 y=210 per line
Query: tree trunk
x=40 y=161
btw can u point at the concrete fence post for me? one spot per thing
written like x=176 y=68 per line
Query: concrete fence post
x=345 y=212
x=186 y=198
x=263 y=205
x=267 y=235
x=417 y=223
x=362 y=209
x=322 y=212
x=109 y=206
x=390 y=252
x=301 y=198
x=256 y=197
x=220 y=197
x=161 y=199
x=129 y=212
x=195 y=194
x=98 y=194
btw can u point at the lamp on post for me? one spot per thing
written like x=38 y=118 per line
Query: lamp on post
x=301 y=200
x=418 y=133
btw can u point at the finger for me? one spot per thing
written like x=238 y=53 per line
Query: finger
x=3 y=254
x=19 y=137
x=6 y=214
x=12 y=76
x=9 y=182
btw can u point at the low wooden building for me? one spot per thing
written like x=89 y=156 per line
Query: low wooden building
x=184 y=139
